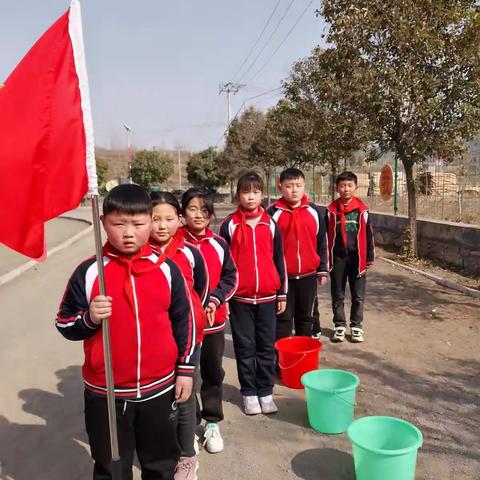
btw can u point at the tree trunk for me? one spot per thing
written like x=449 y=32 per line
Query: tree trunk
x=232 y=195
x=332 y=181
x=267 y=176
x=411 y=242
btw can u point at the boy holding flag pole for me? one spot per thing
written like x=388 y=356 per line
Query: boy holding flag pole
x=48 y=166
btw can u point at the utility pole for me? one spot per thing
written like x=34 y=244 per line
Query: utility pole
x=179 y=168
x=129 y=151
x=229 y=88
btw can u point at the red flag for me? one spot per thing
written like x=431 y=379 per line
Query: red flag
x=47 y=159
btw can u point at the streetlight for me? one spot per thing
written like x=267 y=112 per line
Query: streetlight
x=129 y=151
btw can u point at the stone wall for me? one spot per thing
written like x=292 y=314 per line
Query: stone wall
x=455 y=244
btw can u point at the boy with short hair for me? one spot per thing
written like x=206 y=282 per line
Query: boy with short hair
x=352 y=252
x=304 y=239
x=152 y=340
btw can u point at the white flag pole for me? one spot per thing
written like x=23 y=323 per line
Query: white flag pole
x=76 y=36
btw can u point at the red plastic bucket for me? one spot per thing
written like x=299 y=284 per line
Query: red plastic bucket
x=296 y=356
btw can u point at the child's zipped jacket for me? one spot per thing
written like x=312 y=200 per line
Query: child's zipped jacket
x=222 y=273
x=304 y=237
x=191 y=263
x=152 y=332
x=363 y=240
x=257 y=252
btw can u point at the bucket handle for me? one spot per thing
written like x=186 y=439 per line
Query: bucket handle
x=345 y=401
x=294 y=364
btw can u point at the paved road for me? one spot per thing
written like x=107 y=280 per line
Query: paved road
x=414 y=365
x=56 y=231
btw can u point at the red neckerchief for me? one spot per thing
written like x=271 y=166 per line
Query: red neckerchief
x=193 y=238
x=135 y=266
x=342 y=210
x=243 y=215
x=172 y=247
x=293 y=232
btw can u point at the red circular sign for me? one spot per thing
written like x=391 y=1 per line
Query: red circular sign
x=386 y=182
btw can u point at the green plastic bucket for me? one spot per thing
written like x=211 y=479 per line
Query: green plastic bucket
x=384 y=448
x=330 y=398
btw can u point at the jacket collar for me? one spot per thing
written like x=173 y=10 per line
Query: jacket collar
x=264 y=217
x=192 y=238
x=282 y=204
x=332 y=207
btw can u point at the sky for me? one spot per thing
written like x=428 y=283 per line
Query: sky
x=156 y=65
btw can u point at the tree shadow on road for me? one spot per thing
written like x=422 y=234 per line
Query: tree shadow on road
x=54 y=450
x=407 y=294
x=323 y=463
x=443 y=402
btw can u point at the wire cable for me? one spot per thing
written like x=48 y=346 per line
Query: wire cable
x=242 y=107
x=282 y=42
x=267 y=23
x=269 y=38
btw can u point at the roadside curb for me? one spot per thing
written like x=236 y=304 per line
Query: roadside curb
x=12 y=274
x=439 y=280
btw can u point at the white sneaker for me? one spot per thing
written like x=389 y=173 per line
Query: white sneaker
x=213 y=441
x=317 y=336
x=356 y=335
x=339 y=335
x=268 y=405
x=251 y=405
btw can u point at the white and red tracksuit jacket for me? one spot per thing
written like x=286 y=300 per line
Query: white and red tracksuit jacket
x=304 y=237
x=151 y=327
x=260 y=262
x=222 y=273
x=191 y=263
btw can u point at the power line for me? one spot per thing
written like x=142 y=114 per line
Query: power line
x=252 y=98
x=257 y=40
x=269 y=38
x=282 y=42
x=241 y=108
x=184 y=127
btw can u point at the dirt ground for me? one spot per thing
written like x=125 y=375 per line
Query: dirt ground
x=415 y=365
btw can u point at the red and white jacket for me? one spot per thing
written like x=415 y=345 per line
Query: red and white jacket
x=304 y=237
x=152 y=332
x=191 y=263
x=260 y=262
x=222 y=273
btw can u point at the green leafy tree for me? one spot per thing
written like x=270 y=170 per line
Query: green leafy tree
x=413 y=76
x=203 y=169
x=102 y=169
x=150 y=168
x=333 y=131
x=280 y=142
x=235 y=158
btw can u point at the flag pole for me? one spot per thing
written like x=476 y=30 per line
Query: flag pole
x=76 y=36
x=112 y=416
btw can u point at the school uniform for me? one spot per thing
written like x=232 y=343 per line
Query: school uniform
x=191 y=263
x=304 y=239
x=351 y=249
x=223 y=284
x=152 y=336
x=256 y=247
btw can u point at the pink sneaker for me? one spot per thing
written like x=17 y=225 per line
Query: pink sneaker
x=186 y=468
